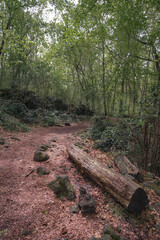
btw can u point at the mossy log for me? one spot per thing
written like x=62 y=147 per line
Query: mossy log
x=125 y=191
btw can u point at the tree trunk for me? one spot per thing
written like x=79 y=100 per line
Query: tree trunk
x=127 y=192
x=103 y=79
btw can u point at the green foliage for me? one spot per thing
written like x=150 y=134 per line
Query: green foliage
x=98 y=125
x=17 y=110
x=12 y=124
x=42 y=117
x=113 y=135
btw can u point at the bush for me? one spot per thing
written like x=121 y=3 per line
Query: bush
x=42 y=117
x=10 y=123
x=109 y=135
x=98 y=126
x=17 y=110
x=65 y=117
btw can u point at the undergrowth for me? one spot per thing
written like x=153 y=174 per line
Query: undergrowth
x=112 y=135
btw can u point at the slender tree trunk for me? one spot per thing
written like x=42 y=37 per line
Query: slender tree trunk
x=103 y=78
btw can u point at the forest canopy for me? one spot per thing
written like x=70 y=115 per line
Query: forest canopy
x=100 y=53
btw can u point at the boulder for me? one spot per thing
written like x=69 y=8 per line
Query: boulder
x=40 y=156
x=86 y=202
x=62 y=187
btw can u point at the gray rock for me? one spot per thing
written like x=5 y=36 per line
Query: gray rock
x=74 y=209
x=25 y=232
x=40 y=156
x=62 y=187
x=86 y=202
x=42 y=171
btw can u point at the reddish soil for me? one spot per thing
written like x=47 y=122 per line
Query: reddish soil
x=30 y=210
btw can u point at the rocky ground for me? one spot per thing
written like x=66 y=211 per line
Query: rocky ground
x=30 y=210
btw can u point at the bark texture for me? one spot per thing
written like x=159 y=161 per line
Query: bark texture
x=127 y=192
x=127 y=168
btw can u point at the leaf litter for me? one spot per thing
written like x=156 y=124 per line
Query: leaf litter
x=29 y=210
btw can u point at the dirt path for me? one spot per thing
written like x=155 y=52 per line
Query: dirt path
x=29 y=210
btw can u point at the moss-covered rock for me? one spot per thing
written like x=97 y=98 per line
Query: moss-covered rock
x=62 y=187
x=40 y=156
x=42 y=171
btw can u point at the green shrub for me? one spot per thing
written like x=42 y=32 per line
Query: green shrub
x=109 y=135
x=10 y=123
x=17 y=110
x=98 y=125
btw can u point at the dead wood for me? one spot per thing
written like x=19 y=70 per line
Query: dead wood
x=126 y=191
x=127 y=168
x=30 y=172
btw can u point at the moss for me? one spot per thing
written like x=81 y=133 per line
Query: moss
x=62 y=187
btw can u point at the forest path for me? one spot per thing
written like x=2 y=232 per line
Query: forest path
x=30 y=210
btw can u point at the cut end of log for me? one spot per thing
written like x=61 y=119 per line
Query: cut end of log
x=138 y=201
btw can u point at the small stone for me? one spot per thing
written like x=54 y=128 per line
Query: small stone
x=53 y=169
x=64 y=230
x=42 y=171
x=25 y=232
x=43 y=147
x=110 y=165
x=67 y=124
x=87 y=150
x=103 y=217
x=53 y=139
x=74 y=209
x=63 y=167
x=82 y=190
x=40 y=156
x=86 y=202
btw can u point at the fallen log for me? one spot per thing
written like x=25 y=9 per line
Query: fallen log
x=126 y=168
x=125 y=191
